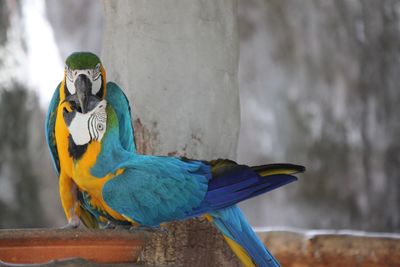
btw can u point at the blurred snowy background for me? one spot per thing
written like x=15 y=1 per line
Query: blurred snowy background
x=318 y=84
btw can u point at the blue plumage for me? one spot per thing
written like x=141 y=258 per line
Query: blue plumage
x=157 y=189
x=117 y=99
x=151 y=190
x=113 y=180
x=231 y=222
x=50 y=124
x=237 y=185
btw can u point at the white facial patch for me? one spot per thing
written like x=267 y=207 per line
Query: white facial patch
x=90 y=126
x=96 y=86
x=71 y=86
x=94 y=76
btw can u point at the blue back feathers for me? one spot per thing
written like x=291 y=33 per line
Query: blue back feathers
x=151 y=189
x=117 y=99
x=154 y=189
x=50 y=125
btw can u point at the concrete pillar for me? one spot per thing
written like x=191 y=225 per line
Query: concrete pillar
x=177 y=62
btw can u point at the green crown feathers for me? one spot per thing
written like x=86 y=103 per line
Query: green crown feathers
x=82 y=60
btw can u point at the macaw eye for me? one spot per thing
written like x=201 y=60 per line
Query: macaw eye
x=96 y=72
x=100 y=127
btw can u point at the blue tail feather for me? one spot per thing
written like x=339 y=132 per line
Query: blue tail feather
x=231 y=222
x=230 y=186
x=234 y=189
x=235 y=175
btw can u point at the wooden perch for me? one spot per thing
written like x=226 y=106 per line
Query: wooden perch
x=45 y=245
x=192 y=243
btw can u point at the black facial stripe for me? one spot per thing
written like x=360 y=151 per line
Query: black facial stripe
x=75 y=151
x=95 y=128
x=90 y=127
x=94 y=133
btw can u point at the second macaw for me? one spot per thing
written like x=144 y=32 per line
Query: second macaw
x=83 y=84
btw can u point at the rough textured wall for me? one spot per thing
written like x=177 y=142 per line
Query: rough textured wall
x=177 y=62
x=319 y=86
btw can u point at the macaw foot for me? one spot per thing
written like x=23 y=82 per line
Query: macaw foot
x=69 y=226
x=72 y=224
x=123 y=226
x=108 y=225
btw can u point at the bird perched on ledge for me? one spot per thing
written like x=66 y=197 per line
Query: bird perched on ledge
x=84 y=84
x=89 y=133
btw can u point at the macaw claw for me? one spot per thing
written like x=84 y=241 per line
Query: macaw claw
x=107 y=225
x=72 y=224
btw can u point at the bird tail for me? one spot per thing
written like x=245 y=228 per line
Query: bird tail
x=241 y=238
x=233 y=225
x=278 y=168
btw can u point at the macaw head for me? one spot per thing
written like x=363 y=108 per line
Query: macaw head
x=84 y=81
x=87 y=127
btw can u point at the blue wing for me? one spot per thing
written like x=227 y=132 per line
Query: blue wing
x=158 y=189
x=120 y=103
x=50 y=128
x=154 y=189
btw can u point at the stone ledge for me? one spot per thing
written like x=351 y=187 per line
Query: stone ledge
x=293 y=248
x=333 y=248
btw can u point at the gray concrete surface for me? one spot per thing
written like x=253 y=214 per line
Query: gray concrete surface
x=177 y=61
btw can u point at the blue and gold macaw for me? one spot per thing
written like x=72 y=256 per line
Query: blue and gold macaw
x=114 y=183
x=83 y=84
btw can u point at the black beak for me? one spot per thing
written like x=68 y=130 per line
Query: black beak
x=84 y=96
x=83 y=87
